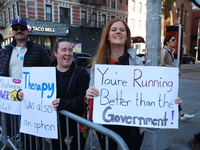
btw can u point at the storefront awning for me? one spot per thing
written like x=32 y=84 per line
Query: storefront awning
x=137 y=39
x=47 y=28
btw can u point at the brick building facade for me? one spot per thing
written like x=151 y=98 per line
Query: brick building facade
x=80 y=20
x=180 y=13
x=194 y=30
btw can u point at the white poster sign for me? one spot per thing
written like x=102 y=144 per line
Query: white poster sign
x=8 y=91
x=38 y=116
x=140 y=96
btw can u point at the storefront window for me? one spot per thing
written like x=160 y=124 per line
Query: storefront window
x=47 y=43
x=36 y=39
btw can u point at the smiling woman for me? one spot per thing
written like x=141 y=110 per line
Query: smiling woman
x=114 y=48
x=63 y=51
x=71 y=84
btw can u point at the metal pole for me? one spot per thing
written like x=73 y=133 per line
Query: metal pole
x=153 y=32
x=153 y=46
x=198 y=37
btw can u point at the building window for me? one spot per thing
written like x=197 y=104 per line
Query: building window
x=103 y=20
x=17 y=8
x=133 y=24
x=113 y=4
x=65 y=15
x=177 y=14
x=48 y=13
x=83 y=18
x=4 y=18
x=127 y=2
x=104 y=2
x=94 y=20
x=145 y=9
x=139 y=24
x=140 y=7
x=133 y=5
x=13 y=11
x=185 y=17
x=8 y=15
x=1 y=21
x=120 y=1
x=112 y=17
x=182 y=10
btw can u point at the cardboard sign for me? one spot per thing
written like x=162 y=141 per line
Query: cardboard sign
x=140 y=96
x=38 y=116
x=8 y=91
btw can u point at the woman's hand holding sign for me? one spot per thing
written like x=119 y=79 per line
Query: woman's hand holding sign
x=56 y=103
x=177 y=100
x=91 y=93
x=20 y=95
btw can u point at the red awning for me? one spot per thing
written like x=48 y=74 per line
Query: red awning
x=137 y=39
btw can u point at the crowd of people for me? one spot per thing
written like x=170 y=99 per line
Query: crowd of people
x=73 y=82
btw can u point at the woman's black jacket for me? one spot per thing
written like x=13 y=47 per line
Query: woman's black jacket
x=35 y=56
x=72 y=97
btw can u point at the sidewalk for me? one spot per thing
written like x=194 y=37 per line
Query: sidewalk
x=189 y=88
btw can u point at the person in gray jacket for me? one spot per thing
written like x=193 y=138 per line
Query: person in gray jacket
x=114 y=49
x=167 y=59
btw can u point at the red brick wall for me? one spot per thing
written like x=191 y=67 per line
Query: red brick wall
x=35 y=10
x=173 y=18
x=194 y=29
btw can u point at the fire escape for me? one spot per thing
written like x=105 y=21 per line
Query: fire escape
x=91 y=21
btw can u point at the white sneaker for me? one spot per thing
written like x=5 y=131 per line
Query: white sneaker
x=186 y=117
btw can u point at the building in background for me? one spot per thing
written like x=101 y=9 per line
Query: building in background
x=195 y=33
x=180 y=13
x=80 y=20
x=137 y=22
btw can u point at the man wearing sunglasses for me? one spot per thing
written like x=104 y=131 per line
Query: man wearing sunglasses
x=22 y=51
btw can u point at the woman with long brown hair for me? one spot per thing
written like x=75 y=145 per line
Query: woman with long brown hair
x=114 y=48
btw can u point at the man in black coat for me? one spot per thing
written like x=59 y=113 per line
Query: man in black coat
x=22 y=52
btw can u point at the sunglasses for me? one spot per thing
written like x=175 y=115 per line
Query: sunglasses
x=173 y=40
x=17 y=28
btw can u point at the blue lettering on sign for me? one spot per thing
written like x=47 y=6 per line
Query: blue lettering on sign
x=43 y=87
x=4 y=94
